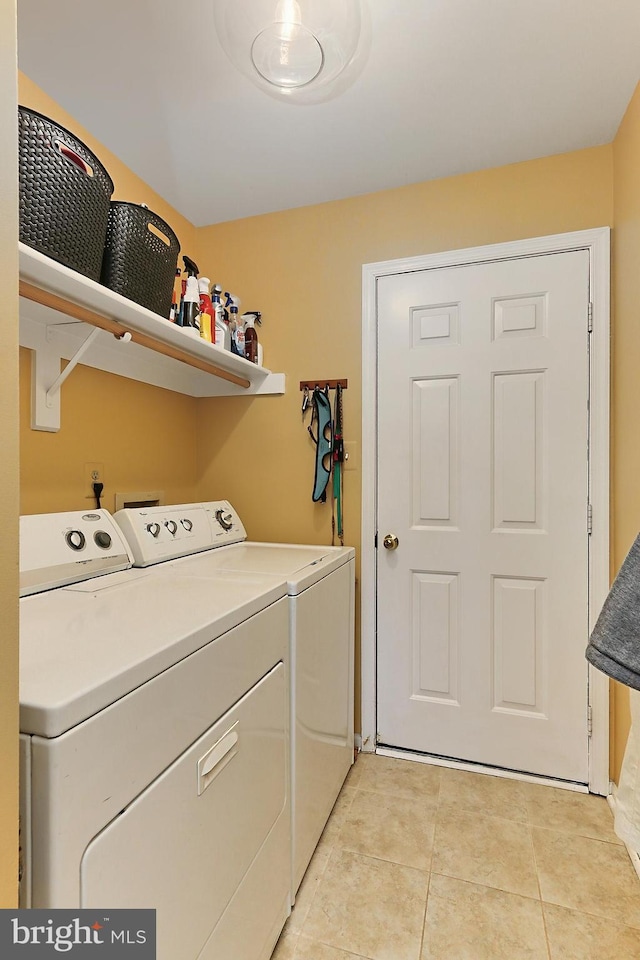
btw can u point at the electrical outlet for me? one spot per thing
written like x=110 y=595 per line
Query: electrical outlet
x=93 y=473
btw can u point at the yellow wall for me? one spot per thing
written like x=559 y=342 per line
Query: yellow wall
x=625 y=378
x=303 y=269
x=144 y=436
x=8 y=462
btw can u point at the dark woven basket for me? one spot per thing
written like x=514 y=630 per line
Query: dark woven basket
x=64 y=194
x=137 y=263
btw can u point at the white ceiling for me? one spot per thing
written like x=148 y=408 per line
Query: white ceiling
x=449 y=86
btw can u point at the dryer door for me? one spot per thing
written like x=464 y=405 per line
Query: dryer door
x=186 y=843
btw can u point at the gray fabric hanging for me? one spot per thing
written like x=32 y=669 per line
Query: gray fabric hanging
x=614 y=645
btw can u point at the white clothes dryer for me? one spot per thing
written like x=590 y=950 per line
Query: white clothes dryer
x=154 y=745
x=320 y=587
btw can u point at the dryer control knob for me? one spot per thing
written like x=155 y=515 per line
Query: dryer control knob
x=103 y=539
x=187 y=524
x=225 y=521
x=75 y=539
x=171 y=526
x=153 y=529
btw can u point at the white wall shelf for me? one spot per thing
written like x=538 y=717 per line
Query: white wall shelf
x=60 y=308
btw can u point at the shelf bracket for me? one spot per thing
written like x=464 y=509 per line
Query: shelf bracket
x=46 y=380
x=50 y=395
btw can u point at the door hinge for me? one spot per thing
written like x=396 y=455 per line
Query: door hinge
x=590 y=318
x=589 y=519
x=589 y=721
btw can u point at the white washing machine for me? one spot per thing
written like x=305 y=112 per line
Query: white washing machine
x=154 y=745
x=320 y=586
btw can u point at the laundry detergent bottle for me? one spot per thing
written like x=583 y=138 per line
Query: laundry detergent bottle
x=207 y=317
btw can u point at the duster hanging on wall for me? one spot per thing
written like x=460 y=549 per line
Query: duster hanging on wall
x=323 y=439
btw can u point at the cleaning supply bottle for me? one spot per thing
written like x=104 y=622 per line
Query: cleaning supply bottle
x=191 y=307
x=179 y=321
x=222 y=337
x=206 y=316
x=249 y=321
x=173 y=315
x=235 y=326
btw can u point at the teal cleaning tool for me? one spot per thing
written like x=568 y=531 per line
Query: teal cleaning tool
x=321 y=415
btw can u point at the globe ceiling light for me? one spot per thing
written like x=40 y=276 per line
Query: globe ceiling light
x=299 y=50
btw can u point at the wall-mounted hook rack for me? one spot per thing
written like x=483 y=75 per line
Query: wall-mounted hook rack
x=322 y=384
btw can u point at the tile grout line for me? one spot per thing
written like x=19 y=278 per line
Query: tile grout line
x=375 y=859
x=424 y=915
x=433 y=846
x=487 y=886
x=577 y=834
x=349 y=953
x=535 y=864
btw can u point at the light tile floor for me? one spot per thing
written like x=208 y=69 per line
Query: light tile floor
x=425 y=863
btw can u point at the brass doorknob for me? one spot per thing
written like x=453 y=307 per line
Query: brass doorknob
x=390 y=542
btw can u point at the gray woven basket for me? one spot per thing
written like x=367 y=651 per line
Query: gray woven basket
x=64 y=194
x=137 y=262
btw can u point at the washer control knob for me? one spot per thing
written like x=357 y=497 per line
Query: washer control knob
x=225 y=521
x=103 y=539
x=187 y=524
x=171 y=526
x=153 y=529
x=75 y=539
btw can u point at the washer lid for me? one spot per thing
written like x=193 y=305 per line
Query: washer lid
x=301 y=564
x=83 y=647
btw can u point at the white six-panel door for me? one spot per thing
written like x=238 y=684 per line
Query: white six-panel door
x=482 y=610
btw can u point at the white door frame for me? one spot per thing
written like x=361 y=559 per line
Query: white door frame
x=597 y=242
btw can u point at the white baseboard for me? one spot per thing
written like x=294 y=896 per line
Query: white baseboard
x=633 y=854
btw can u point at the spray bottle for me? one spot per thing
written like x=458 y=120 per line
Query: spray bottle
x=191 y=307
x=222 y=337
x=235 y=326
x=249 y=321
x=173 y=312
x=179 y=320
